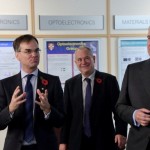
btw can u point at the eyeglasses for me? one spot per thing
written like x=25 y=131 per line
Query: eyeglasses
x=30 y=51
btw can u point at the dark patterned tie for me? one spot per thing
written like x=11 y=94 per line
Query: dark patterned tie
x=29 y=110
x=87 y=128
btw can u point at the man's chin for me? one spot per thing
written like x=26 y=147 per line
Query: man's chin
x=85 y=73
x=33 y=66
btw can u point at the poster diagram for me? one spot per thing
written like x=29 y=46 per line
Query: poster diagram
x=130 y=50
x=9 y=65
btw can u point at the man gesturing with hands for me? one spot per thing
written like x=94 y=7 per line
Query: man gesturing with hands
x=31 y=102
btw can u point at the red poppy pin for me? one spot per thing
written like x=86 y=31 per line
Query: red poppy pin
x=98 y=80
x=44 y=81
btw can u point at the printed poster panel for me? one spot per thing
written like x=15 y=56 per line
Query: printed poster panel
x=9 y=65
x=60 y=56
x=130 y=50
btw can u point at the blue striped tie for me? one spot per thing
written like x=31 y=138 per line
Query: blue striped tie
x=29 y=110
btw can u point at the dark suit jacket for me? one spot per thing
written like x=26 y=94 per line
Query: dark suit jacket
x=105 y=95
x=43 y=129
x=135 y=94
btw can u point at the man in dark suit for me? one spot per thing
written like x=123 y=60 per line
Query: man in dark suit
x=133 y=105
x=105 y=91
x=47 y=102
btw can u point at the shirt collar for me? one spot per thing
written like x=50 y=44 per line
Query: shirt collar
x=90 y=77
x=23 y=74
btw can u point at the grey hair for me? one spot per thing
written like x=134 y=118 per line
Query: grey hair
x=85 y=47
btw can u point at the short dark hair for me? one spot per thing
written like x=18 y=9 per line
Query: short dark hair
x=23 y=38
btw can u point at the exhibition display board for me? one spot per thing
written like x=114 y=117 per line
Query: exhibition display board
x=9 y=65
x=130 y=50
x=59 y=56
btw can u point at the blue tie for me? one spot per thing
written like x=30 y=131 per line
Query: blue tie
x=29 y=110
x=87 y=128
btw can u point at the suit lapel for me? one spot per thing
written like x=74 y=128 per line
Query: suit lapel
x=39 y=83
x=39 y=86
x=18 y=82
x=79 y=91
x=42 y=86
x=97 y=89
x=144 y=71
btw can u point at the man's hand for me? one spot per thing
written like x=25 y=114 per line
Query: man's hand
x=142 y=116
x=44 y=104
x=121 y=141
x=16 y=100
x=63 y=147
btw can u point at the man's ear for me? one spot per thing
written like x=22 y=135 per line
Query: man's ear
x=94 y=58
x=17 y=55
x=75 y=61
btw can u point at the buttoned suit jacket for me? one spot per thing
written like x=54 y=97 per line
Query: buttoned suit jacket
x=135 y=94
x=43 y=129
x=105 y=95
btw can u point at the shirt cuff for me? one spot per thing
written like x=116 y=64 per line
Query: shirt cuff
x=11 y=114
x=135 y=122
x=46 y=115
